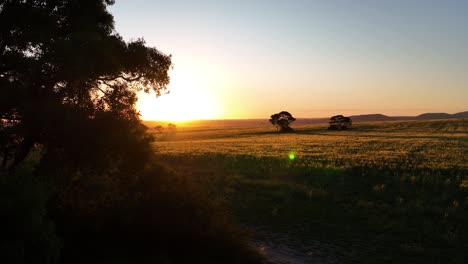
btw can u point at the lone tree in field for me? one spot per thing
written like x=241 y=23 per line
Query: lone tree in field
x=282 y=120
x=171 y=128
x=339 y=122
x=159 y=129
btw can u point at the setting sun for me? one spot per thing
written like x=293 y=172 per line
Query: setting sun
x=189 y=98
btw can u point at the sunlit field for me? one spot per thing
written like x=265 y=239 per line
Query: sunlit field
x=396 y=145
x=380 y=192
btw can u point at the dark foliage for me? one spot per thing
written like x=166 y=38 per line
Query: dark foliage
x=27 y=234
x=282 y=121
x=172 y=128
x=64 y=72
x=340 y=122
x=158 y=129
x=154 y=214
x=68 y=85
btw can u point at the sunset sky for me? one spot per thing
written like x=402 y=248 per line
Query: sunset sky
x=250 y=59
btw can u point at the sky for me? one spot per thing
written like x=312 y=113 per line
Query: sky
x=252 y=58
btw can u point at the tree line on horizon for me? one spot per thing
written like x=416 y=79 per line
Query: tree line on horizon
x=284 y=119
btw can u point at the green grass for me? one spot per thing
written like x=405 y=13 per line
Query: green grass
x=388 y=192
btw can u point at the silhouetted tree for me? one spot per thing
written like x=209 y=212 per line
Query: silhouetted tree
x=159 y=129
x=68 y=85
x=171 y=130
x=67 y=79
x=282 y=120
x=339 y=122
x=171 y=127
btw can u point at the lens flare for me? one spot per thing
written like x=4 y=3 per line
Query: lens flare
x=292 y=156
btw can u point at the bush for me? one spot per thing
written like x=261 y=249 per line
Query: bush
x=27 y=235
x=154 y=214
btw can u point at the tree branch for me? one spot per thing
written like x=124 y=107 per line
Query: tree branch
x=104 y=92
x=106 y=79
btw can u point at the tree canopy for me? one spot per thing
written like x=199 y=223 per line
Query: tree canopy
x=339 y=122
x=68 y=82
x=282 y=121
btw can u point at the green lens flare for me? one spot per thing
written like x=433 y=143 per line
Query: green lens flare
x=291 y=156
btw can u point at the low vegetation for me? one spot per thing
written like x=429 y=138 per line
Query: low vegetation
x=153 y=215
x=383 y=192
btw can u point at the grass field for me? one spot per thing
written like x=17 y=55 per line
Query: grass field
x=381 y=192
x=423 y=144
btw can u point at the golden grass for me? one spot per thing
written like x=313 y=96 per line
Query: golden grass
x=434 y=144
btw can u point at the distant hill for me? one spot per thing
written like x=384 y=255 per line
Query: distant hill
x=305 y=121
x=461 y=115
x=380 y=117
x=442 y=115
x=425 y=116
x=371 y=117
x=434 y=116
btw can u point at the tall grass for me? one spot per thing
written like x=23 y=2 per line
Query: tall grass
x=381 y=193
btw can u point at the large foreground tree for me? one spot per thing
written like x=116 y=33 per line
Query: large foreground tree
x=68 y=82
x=68 y=85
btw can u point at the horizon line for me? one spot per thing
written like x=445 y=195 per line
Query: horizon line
x=261 y=118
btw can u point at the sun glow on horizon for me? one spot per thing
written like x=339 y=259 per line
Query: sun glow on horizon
x=189 y=98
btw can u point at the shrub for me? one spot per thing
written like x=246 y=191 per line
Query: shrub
x=154 y=214
x=27 y=235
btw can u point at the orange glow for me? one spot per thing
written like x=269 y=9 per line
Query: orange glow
x=190 y=98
